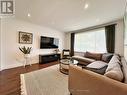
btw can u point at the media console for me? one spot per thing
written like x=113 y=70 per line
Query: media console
x=48 y=58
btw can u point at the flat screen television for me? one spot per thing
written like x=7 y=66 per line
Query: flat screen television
x=48 y=42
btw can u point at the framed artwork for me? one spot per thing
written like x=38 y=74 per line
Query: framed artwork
x=25 y=38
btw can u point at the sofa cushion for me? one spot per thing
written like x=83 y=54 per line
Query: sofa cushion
x=81 y=58
x=106 y=57
x=96 y=56
x=114 y=69
x=97 y=64
x=124 y=69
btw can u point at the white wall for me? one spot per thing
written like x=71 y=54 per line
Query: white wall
x=119 y=40
x=0 y=44
x=12 y=57
x=68 y=40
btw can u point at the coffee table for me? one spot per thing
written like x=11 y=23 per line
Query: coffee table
x=64 y=65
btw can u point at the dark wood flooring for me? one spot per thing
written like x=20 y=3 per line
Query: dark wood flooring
x=10 y=79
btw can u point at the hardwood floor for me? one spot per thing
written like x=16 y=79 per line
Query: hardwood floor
x=10 y=79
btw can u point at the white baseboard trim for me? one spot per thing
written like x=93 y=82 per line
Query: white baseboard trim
x=13 y=66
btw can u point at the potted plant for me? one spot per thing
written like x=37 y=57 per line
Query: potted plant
x=25 y=51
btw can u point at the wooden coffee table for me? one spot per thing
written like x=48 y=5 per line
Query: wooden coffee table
x=64 y=65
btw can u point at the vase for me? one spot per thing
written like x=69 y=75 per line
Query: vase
x=26 y=55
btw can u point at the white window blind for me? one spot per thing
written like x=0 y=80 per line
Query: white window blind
x=93 y=41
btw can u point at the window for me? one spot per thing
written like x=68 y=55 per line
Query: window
x=93 y=41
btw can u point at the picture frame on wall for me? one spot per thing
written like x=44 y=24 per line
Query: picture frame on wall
x=25 y=38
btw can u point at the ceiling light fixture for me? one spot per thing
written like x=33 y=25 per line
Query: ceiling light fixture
x=29 y=15
x=86 y=6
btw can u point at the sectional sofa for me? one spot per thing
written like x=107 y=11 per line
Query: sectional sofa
x=89 y=57
x=86 y=82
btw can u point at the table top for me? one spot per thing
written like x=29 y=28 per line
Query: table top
x=68 y=61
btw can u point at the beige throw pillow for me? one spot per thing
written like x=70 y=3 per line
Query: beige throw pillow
x=114 y=70
x=114 y=60
x=115 y=73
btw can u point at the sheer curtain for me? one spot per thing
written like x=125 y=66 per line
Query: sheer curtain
x=93 y=41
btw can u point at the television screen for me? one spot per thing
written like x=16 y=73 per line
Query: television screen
x=48 y=42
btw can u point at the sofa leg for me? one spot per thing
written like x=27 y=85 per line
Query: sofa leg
x=70 y=93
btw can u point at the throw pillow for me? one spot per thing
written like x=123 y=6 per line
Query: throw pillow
x=96 y=56
x=106 y=57
x=113 y=62
x=114 y=69
x=97 y=64
x=66 y=53
x=115 y=74
x=99 y=71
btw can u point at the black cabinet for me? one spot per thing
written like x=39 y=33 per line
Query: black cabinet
x=48 y=58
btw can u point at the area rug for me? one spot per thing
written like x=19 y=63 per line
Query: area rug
x=47 y=81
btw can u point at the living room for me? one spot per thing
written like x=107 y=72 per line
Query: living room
x=77 y=26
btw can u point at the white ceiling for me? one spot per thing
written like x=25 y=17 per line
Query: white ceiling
x=69 y=15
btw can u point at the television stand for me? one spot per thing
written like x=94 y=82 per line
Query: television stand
x=46 y=58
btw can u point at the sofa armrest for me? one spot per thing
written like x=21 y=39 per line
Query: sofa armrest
x=85 y=82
